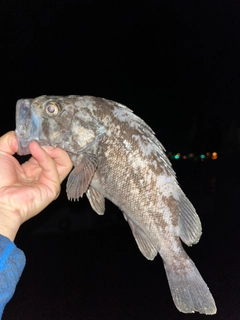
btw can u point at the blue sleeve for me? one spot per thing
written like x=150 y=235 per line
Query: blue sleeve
x=12 y=262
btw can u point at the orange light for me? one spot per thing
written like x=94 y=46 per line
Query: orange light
x=214 y=156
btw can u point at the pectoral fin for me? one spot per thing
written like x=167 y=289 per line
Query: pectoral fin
x=96 y=200
x=81 y=176
x=144 y=244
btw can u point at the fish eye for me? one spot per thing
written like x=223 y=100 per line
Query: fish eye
x=52 y=108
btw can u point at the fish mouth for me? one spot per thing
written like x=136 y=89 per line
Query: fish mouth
x=27 y=126
x=23 y=146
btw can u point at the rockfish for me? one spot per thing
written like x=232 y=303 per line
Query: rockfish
x=117 y=156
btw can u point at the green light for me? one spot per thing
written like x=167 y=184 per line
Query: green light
x=202 y=156
x=177 y=156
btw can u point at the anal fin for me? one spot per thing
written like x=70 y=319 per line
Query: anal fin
x=144 y=244
x=96 y=200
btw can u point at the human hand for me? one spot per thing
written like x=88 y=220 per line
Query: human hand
x=27 y=189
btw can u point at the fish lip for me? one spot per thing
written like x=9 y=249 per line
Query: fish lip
x=27 y=126
x=23 y=146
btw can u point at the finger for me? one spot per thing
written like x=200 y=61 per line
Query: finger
x=49 y=170
x=62 y=160
x=8 y=143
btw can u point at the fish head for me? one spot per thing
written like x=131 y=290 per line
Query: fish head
x=56 y=121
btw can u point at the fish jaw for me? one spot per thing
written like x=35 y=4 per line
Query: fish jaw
x=23 y=146
x=28 y=126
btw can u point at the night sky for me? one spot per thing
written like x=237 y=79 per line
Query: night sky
x=175 y=63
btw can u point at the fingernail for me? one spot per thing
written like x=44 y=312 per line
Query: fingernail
x=48 y=148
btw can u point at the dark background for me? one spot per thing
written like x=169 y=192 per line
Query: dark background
x=176 y=64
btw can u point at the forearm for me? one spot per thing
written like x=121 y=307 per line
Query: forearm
x=10 y=222
x=12 y=262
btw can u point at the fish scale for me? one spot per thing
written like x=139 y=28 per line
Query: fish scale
x=117 y=156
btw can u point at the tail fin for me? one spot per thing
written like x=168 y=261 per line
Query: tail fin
x=189 y=291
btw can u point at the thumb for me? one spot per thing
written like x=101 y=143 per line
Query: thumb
x=8 y=143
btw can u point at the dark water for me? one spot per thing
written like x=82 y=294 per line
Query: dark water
x=83 y=266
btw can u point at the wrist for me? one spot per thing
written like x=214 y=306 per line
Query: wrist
x=10 y=221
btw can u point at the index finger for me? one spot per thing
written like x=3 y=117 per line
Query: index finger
x=8 y=143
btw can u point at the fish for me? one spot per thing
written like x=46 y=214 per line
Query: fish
x=117 y=156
